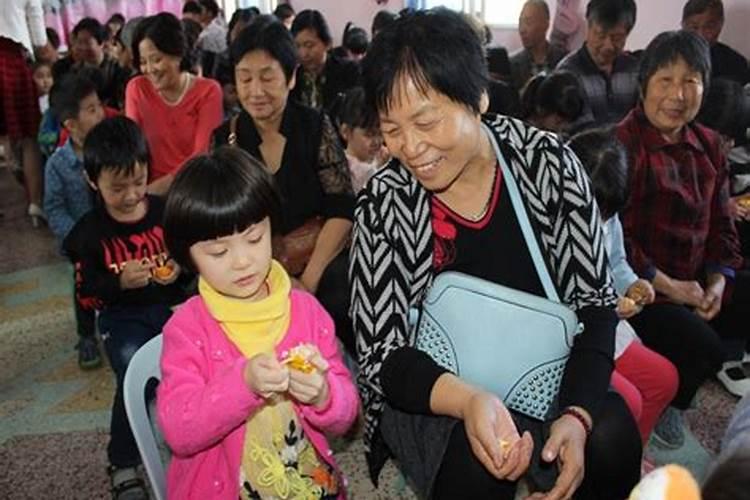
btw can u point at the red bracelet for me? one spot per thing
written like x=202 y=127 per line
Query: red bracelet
x=575 y=413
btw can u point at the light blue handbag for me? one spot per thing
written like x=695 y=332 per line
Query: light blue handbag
x=508 y=342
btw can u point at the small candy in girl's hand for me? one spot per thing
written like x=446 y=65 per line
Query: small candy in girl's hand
x=298 y=358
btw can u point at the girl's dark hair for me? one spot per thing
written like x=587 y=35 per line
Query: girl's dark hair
x=667 y=48
x=349 y=109
x=606 y=162
x=436 y=49
x=216 y=195
x=116 y=144
x=166 y=33
x=266 y=33
x=312 y=19
x=355 y=39
x=559 y=92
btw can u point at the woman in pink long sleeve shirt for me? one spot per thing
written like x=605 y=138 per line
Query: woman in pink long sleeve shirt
x=177 y=110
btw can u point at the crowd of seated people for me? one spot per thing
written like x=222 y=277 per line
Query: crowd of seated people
x=333 y=185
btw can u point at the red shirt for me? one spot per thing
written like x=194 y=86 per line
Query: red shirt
x=677 y=218
x=175 y=133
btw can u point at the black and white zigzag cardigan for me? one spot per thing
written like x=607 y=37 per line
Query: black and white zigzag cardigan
x=391 y=253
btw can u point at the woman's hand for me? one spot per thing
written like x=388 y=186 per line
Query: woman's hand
x=739 y=208
x=310 y=388
x=264 y=375
x=494 y=438
x=689 y=293
x=711 y=303
x=566 y=444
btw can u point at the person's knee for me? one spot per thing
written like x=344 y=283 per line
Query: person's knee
x=615 y=429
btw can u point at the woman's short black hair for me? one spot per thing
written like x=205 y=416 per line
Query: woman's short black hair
x=606 y=162
x=244 y=16
x=216 y=195
x=66 y=95
x=355 y=39
x=93 y=27
x=116 y=144
x=437 y=49
x=670 y=46
x=382 y=20
x=166 y=33
x=558 y=93
x=312 y=19
x=726 y=109
x=610 y=13
x=268 y=34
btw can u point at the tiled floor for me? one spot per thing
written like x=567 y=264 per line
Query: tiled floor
x=54 y=417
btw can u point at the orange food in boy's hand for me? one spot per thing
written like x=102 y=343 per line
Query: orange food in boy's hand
x=744 y=202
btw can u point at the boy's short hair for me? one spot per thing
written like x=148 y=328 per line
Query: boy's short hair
x=93 y=27
x=557 y=93
x=606 y=162
x=283 y=11
x=66 y=95
x=116 y=144
x=216 y=195
x=437 y=49
x=192 y=7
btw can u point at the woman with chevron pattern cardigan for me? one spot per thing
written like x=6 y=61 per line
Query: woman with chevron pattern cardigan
x=441 y=205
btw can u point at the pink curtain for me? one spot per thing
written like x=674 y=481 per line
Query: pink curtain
x=62 y=15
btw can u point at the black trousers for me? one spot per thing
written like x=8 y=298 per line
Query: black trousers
x=612 y=462
x=696 y=347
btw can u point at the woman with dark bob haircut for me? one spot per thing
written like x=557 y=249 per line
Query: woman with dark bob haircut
x=442 y=205
x=300 y=147
x=176 y=110
x=322 y=75
x=678 y=229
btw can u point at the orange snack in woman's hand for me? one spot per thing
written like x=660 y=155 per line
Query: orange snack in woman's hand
x=744 y=202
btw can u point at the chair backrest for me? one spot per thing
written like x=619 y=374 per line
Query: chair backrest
x=143 y=367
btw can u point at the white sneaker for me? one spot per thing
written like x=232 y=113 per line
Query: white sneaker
x=734 y=378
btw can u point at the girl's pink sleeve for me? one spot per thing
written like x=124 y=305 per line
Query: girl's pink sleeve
x=210 y=115
x=132 y=110
x=197 y=412
x=343 y=400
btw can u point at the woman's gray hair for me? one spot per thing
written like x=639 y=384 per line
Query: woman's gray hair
x=667 y=48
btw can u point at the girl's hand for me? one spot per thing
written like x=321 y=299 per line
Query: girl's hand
x=494 y=438
x=310 y=388
x=135 y=274
x=264 y=375
x=169 y=279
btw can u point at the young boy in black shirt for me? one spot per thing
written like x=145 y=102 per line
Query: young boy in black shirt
x=123 y=268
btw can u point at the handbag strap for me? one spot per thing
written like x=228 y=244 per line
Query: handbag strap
x=523 y=220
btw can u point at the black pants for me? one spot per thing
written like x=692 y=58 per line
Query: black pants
x=124 y=330
x=612 y=468
x=333 y=294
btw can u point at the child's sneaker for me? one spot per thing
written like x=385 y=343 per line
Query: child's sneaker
x=669 y=431
x=88 y=354
x=126 y=484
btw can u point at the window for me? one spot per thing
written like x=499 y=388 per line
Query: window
x=492 y=12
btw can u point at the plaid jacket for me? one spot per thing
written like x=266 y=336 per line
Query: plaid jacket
x=677 y=218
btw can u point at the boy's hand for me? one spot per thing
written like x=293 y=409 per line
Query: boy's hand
x=642 y=292
x=310 y=388
x=264 y=375
x=135 y=274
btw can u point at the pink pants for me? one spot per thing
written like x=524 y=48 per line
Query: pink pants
x=648 y=383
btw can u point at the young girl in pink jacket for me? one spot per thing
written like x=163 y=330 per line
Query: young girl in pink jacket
x=251 y=374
